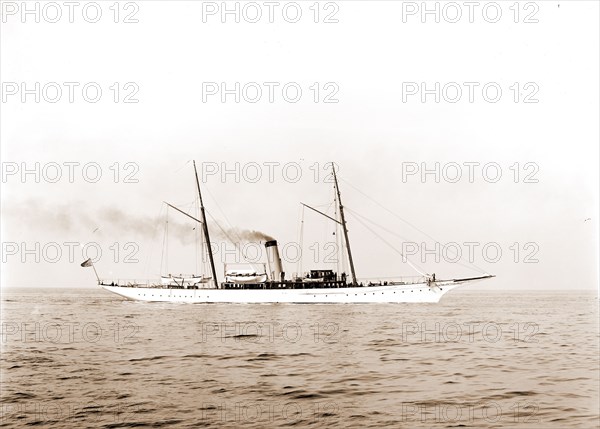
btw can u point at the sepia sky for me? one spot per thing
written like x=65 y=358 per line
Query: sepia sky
x=542 y=212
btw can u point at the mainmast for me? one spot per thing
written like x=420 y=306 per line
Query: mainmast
x=205 y=230
x=339 y=198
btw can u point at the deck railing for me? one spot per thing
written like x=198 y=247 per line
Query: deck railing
x=362 y=281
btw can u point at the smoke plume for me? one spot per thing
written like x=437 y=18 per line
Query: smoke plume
x=113 y=221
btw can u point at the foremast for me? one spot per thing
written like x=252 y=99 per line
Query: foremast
x=344 y=227
x=205 y=231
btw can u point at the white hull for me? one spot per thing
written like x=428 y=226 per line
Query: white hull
x=415 y=293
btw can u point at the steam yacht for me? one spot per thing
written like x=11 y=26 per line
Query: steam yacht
x=250 y=286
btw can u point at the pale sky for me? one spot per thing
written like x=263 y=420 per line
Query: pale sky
x=370 y=133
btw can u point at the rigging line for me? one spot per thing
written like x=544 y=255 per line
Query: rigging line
x=236 y=244
x=376 y=224
x=202 y=249
x=403 y=220
x=300 y=241
x=326 y=226
x=328 y=205
x=165 y=244
x=152 y=242
x=180 y=168
x=196 y=240
x=335 y=233
x=404 y=258
x=239 y=239
x=222 y=214
x=405 y=239
x=339 y=242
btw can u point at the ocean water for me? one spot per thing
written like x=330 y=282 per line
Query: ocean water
x=86 y=358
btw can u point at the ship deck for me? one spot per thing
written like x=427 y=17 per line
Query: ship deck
x=286 y=285
x=332 y=284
